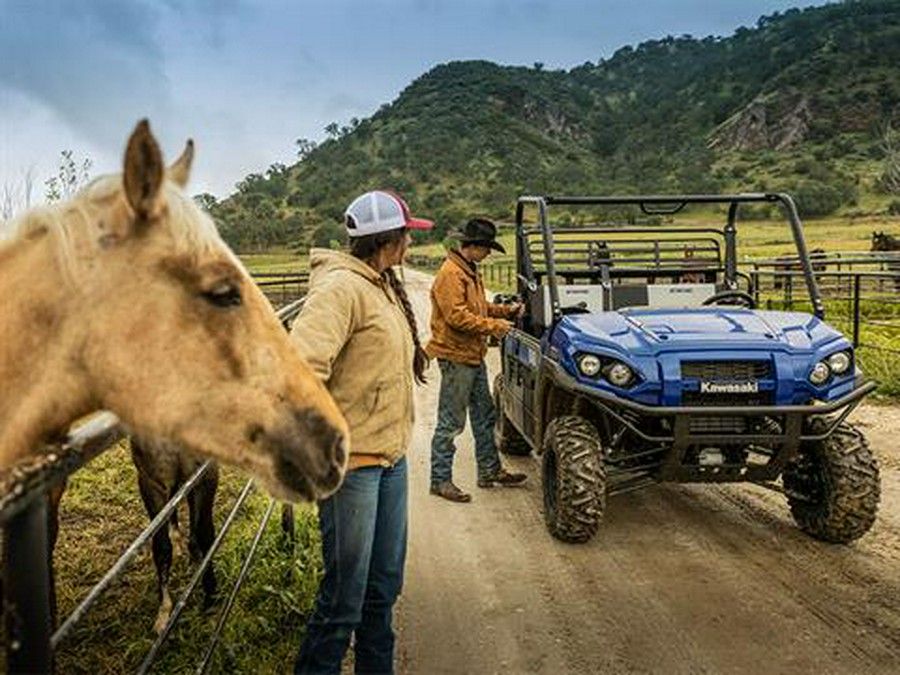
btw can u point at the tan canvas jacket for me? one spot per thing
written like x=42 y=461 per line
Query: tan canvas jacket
x=354 y=334
x=461 y=317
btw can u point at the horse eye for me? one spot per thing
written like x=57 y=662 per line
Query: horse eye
x=223 y=295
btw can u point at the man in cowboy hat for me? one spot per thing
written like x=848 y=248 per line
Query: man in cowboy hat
x=461 y=321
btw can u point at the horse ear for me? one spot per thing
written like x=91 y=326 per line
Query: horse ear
x=180 y=172
x=143 y=174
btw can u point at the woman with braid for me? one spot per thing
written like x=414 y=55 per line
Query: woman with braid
x=358 y=333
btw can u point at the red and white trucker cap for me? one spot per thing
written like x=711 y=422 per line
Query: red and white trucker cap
x=380 y=211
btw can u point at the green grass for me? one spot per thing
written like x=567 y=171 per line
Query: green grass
x=101 y=513
x=275 y=261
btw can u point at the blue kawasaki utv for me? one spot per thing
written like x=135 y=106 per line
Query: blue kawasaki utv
x=642 y=358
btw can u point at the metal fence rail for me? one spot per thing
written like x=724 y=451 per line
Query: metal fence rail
x=282 y=287
x=27 y=561
x=860 y=290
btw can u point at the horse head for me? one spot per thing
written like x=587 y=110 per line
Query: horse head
x=881 y=241
x=162 y=325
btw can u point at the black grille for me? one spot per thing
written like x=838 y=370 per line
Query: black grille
x=718 y=425
x=700 y=399
x=727 y=370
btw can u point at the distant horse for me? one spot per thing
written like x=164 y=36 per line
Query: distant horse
x=884 y=242
x=881 y=241
x=126 y=298
x=162 y=469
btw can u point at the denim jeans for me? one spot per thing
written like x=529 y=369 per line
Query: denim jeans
x=463 y=387
x=363 y=528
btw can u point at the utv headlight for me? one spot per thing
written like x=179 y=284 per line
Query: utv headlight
x=589 y=365
x=820 y=373
x=619 y=374
x=839 y=362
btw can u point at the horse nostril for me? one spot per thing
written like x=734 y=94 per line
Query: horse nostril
x=340 y=450
x=254 y=433
x=334 y=476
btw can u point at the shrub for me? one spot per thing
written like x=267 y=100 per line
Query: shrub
x=327 y=233
x=816 y=199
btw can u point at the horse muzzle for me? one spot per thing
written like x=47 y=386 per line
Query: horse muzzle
x=310 y=455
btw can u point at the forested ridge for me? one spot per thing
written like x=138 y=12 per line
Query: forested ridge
x=806 y=101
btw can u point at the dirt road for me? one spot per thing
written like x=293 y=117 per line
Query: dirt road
x=680 y=579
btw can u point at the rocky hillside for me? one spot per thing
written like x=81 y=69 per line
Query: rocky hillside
x=803 y=101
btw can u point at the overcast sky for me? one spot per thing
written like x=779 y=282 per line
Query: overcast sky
x=247 y=78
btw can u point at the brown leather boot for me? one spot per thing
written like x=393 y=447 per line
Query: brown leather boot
x=449 y=491
x=502 y=477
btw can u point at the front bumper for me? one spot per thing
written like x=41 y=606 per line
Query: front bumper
x=785 y=444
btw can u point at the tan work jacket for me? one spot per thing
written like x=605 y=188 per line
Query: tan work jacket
x=461 y=317
x=354 y=334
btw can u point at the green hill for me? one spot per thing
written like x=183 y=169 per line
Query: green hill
x=803 y=101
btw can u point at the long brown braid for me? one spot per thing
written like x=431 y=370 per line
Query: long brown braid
x=420 y=359
x=366 y=248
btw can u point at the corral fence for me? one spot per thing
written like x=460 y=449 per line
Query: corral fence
x=424 y=262
x=500 y=275
x=282 y=287
x=28 y=596
x=860 y=291
x=497 y=273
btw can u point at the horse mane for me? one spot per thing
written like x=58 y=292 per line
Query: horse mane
x=77 y=231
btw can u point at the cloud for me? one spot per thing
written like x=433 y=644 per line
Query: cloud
x=93 y=64
x=100 y=65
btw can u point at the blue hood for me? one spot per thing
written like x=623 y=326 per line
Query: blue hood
x=646 y=331
x=656 y=342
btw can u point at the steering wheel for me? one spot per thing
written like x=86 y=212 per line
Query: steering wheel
x=731 y=297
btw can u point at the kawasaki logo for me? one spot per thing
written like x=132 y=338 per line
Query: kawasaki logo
x=729 y=387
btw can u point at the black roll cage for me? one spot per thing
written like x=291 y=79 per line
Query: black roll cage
x=656 y=205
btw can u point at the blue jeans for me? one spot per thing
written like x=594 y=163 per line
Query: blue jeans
x=463 y=387
x=363 y=528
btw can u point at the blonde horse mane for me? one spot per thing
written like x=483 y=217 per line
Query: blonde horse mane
x=77 y=230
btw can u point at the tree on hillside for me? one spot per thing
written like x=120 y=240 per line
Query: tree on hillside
x=304 y=148
x=333 y=131
x=71 y=175
x=276 y=170
x=206 y=201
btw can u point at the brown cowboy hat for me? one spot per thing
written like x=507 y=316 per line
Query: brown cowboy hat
x=480 y=232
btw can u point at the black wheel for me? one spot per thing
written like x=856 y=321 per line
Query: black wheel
x=574 y=480
x=506 y=438
x=833 y=486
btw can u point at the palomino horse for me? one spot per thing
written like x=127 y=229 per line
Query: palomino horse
x=126 y=298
